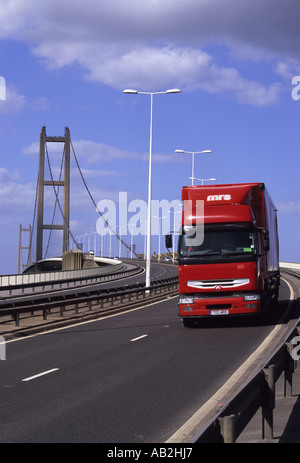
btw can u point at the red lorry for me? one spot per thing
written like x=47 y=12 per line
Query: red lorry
x=234 y=268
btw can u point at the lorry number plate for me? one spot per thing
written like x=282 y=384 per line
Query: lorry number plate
x=219 y=312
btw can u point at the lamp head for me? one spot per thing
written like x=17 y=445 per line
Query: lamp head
x=130 y=91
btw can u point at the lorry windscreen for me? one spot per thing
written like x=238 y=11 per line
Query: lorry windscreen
x=220 y=240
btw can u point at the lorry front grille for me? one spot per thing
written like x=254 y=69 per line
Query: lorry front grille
x=219 y=306
x=218 y=284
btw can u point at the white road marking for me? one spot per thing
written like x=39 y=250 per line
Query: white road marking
x=87 y=321
x=40 y=374
x=208 y=410
x=140 y=337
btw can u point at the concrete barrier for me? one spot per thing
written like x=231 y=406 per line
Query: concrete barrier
x=293 y=265
x=47 y=277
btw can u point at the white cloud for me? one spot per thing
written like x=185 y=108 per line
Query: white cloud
x=91 y=151
x=94 y=153
x=287 y=68
x=288 y=207
x=271 y=24
x=96 y=173
x=34 y=149
x=16 y=101
x=13 y=103
x=153 y=44
x=7 y=176
x=153 y=68
x=15 y=199
x=40 y=104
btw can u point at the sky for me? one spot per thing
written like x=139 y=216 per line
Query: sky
x=66 y=63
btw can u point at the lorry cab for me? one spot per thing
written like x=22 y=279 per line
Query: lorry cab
x=228 y=260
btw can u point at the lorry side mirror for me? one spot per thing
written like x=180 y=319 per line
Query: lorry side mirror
x=168 y=241
x=266 y=241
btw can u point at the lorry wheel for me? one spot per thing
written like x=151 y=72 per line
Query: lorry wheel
x=265 y=310
x=188 y=322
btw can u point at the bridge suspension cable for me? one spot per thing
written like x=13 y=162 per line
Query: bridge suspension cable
x=39 y=205
x=30 y=257
x=57 y=199
x=96 y=207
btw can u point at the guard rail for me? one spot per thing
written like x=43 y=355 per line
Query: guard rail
x=226 y=420
x=13 y=284
x=46 y=277
x=104 y=299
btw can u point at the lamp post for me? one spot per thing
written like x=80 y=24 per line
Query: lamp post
x=202 y=180
x=148 y=256
x=131 y=239
x=158 y=217
x=145 y=234
x=120 y=240
x=174 y=231
x=193 y=159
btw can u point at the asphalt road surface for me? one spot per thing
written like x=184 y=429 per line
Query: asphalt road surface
x=134 y=377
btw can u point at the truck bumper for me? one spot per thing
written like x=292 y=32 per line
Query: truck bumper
x=226 y=306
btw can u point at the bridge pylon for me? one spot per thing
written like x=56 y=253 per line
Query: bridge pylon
x=21 y=265
x=65 y=183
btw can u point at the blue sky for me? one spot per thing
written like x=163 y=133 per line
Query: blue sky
x=66 y=63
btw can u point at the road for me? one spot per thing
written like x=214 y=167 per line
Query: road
x=134 y=377
x=158 y=272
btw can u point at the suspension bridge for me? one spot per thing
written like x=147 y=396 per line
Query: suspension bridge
x=51 y=234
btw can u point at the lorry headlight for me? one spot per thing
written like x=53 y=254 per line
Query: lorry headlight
x=252 y=297
x=186 y=300
x=187 y=308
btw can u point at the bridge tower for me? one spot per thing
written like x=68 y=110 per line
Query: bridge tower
x=21 y=266
x=65 y=183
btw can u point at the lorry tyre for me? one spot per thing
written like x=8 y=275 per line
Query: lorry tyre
x=265 y=309
x=188 y=322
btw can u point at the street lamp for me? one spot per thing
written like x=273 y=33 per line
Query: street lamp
x=158 y=217
x=148 y=257
x=193 y=159
x=120 y=240
x=174 y=230
x=202 y=180
x=131 y=239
